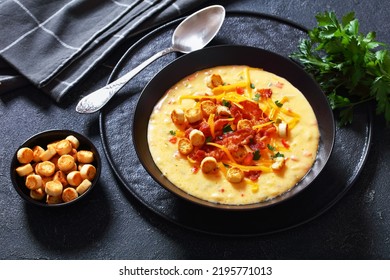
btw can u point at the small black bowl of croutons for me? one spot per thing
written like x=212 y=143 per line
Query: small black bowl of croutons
x=55 y=168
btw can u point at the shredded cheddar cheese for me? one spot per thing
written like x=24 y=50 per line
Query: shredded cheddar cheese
x=228 y=88
x=251 y=167
x=211 y=123
x=223 y=148
x=262 y=125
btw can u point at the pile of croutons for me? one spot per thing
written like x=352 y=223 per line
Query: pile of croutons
x=60 y=173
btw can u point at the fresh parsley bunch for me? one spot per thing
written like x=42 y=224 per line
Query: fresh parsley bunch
x=350 y=67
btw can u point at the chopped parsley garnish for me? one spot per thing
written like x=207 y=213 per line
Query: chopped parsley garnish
x=271 y=148
x=256 y=155
x=278 y=155
x=172 y=132
x=278 y=103
x=256 y=97
x=227 y=128
x=226 y=103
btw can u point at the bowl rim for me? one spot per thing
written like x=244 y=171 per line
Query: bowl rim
x=154 y=171
x=51 y=134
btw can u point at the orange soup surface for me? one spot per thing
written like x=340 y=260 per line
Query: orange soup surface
x=233 y=135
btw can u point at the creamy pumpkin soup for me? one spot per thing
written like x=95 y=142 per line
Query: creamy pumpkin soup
x=233 y=135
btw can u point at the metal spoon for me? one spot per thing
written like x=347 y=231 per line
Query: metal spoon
x=193 y=33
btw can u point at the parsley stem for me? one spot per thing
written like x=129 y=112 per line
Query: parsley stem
x=357 y=102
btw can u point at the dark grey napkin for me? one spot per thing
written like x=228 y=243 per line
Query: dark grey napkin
x=55 y=44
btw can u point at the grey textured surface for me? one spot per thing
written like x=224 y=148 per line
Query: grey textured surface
x=112 y=224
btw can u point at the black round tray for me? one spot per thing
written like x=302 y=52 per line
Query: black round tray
x=116 y=124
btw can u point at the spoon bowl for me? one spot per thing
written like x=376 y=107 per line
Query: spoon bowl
x=190 y=35
x=193 y=33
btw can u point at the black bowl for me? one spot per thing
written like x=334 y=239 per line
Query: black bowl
x=233 y=55
x=43 y=139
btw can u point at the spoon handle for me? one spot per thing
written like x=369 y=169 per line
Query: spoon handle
x=97 y=99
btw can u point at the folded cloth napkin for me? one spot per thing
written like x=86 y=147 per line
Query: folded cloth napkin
x=10 y=78
x=55 y=44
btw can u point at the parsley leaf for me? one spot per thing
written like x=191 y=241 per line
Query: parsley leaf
x=277 y=155
x=226 y=103
x=271 y=148
x=227 y=128
x=256 y=97
x=278 y=103
x=256 y=155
